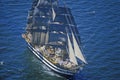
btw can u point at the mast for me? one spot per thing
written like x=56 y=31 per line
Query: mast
x=77 y=51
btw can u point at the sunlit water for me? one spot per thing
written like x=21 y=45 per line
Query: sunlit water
x=99 y=26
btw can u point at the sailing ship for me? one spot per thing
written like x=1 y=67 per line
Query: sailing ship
x=52 y=35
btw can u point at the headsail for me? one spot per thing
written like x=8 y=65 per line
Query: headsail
x=77 y=50
x=71 y=52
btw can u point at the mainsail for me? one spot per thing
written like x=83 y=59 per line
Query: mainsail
x=77 y=50
x=71 y=52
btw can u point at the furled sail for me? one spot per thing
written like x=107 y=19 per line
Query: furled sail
x=71 y=52
x=36 y=10
x=53 y=14
x=42 y=38
x=77 y=50
x=47 y=37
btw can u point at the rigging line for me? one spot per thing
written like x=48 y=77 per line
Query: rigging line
x=92 y=35
x=67 y=12
x=66 y=29
x=72 y=23
x=71 y=28
x=51 y=3
x=75 y=31
x=68 y=16
x=79 y=42
x=63 y=3
x=33 y=18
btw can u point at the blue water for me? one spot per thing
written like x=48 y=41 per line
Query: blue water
x=99 y=26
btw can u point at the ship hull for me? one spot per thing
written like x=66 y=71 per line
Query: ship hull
x=60 y=71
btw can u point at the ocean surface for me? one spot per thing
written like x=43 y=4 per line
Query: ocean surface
x=99 y=26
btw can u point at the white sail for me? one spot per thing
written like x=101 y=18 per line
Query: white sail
x=38 y=3
x=71 y=52
x=47 y=37
x=35 y=11
x=77 y=50
x=42 y=38
x=53 y=14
